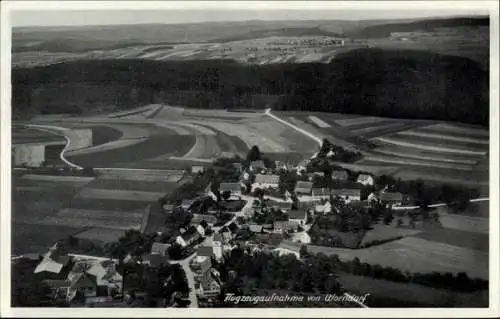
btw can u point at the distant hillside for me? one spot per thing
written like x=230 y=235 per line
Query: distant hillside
x=394 y=83
x=384 y=30
x=282 y=32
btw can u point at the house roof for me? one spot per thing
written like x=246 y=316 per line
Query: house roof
x=391 y=196
x=364 y=175
x=258 y=164
x=321 y=192
x=284 y=223
x=346 y=192
x=233 y=187
x=267 y=179
x=297 y=214
x=340 y=174
x=49 y=265
x=280 y=205
x=190 y=233
x=159 y=248
x=205 y=251
x=198 y=218
x=303 y=187
x=217 y=237
x=255 y=228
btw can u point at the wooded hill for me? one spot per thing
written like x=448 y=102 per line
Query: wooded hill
x=391 y=83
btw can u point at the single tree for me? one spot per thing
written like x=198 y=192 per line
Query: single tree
x=254 y=154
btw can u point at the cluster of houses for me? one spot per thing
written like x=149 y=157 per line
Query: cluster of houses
x=95 y=278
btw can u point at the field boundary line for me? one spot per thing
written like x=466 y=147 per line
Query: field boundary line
x=298 y=129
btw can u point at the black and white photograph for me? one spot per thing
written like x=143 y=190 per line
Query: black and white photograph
x=244 y=158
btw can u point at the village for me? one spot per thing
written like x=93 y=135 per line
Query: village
x=255 y=204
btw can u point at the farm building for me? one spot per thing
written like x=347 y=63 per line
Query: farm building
x=201 y=268
x=94 y=277
x=365 y=179
x=186 y=204
x=395 y=199
x=53 y=262
x=340 y=175
x=316 y=174
x=255 y=228
x=298 y=217
x=323 y=208
x=303 y=188
x=257 y=166
x=266 y=181
x=160 y=249
x=283 y=206
x=197 y=169
x=347 y=194
x=32 y=155
x=283 y=226
x=209 y=219
x=321 y=193
x=234 y=188
x=191 y=235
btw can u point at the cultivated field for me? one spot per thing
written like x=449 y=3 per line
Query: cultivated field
x=33 y=201
x=417 y=255
x=407 y=149
x=265 y=50
x=117 y=200
x=411 y=293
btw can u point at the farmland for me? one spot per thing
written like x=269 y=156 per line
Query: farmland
x=438 y=152
x=410 y=293
x=417 y=255
x=116 y=201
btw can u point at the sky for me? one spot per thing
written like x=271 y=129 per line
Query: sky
x=65 y=17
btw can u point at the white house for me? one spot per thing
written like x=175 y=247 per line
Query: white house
x=298 y=217
x=266 y=181
x=365 y=179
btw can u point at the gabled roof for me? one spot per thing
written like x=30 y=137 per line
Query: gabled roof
x=198 y=218
x=364 y=175
x=159 y=248
x=190 y=233
x=267 y=179
x=284 y=224
x=218 y=237
x=346 y=192
x=297 y=214
x=255 y=228
x=321 y=192
x=391 y=197
x=258 y=164
x=232 y=187
x=280 y=205
x=303 y=187
x=205 y=251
